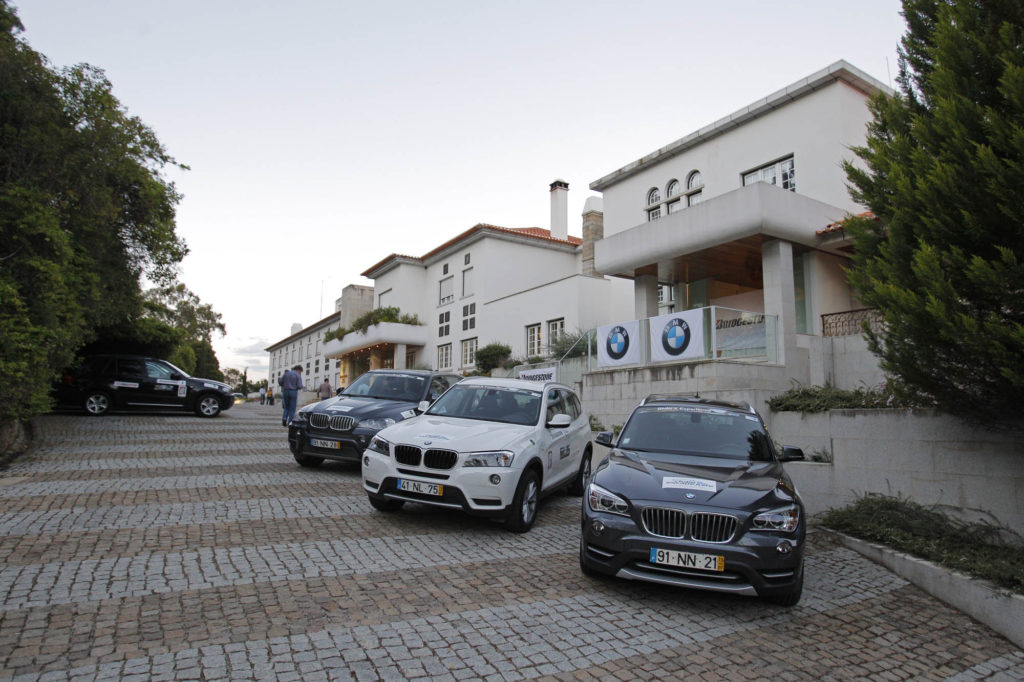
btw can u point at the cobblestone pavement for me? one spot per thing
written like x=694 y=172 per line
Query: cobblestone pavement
x=173 y=547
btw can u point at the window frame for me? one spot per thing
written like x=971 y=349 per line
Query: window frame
x=535 y=349
x=471 y=361
x=444 y=356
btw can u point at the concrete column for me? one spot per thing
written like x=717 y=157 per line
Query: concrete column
x=645 y=296
x=400 y=356
x=779 y=294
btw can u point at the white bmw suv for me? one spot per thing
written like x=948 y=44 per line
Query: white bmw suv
x=491 y=447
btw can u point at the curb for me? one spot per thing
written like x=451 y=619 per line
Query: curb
x=999 y=609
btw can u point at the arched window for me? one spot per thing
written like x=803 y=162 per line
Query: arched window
x=653 y=197
x=672 y=189
x=694 y=180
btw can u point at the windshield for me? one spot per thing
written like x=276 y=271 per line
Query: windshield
x=390 y=386
x=696 y=430
x=489 y=403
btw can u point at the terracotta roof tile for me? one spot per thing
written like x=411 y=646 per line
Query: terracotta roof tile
x=839 y=225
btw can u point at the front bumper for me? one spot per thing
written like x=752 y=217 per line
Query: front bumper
x=467 y=488
x=349 y=446
x=754 y=566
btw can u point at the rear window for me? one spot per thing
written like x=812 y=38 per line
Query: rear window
x=696 y=430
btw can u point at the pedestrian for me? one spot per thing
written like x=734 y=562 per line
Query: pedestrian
x=263 y=395
x=270 y=396
x=325 y=390
x=291 y=384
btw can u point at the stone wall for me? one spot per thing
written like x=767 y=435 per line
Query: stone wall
x=927 y=457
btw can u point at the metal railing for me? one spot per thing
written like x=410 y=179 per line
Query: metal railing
x=851 y=322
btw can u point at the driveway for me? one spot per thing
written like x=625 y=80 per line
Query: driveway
x=173 y=547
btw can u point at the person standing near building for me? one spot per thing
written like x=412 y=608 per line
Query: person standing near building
x=291 y=384
x=325 y=390
x=263 y=395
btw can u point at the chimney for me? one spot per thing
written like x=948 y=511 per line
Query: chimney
x=296 y=328
x=560 y=209
x=593 y=231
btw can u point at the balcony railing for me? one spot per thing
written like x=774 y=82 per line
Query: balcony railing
x=851 y=322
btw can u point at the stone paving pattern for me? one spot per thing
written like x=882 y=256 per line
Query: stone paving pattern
x=172 y=548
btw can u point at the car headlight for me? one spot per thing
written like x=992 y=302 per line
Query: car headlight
x=489 y=459
x=601 y=500
x=376 y=424
x=300 y=417
x=785 y=519
x=380 y=445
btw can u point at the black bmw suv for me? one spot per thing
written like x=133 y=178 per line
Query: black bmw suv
x=340 y=428
x=693 y=494
x=102 y=383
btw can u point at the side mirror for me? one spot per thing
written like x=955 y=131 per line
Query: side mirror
x=559 y=421
x=791 y=454
x=605 y=438
x=423 y=406
x=176 y=377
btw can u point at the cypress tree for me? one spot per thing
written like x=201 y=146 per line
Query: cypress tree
x=943 y=172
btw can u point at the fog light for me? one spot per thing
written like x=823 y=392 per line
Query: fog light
x=495 y=479
x=366 y=460
x=597 y=526
x=784 y=548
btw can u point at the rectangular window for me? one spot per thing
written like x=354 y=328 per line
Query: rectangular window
x=654 y=214
x=695 y=198
x=533 y=340
x=467 y=282
x=447 y=291
x=444 y=356
x=555 y=330
x=469 y=352
x=443 y=326
x=781 y=173
x=676 y=205
x=469 y=316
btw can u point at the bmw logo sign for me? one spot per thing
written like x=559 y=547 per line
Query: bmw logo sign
x=617 y=343
x=676 y=336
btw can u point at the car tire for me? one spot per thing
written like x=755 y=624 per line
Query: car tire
x=384 y=504
x=524 y=503
x=579 y=484
x=309 y=462
x=791 y=596
x=208 y=405
x=96 y=403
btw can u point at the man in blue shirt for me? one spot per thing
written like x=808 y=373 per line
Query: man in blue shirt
x=291 y=384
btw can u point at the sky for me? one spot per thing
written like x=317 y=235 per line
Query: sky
x=322 y=136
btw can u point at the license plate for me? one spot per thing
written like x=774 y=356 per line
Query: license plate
x=670 y=557
x=329 y=444
x=420 y=487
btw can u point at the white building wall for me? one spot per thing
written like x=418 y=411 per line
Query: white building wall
x=816 y=130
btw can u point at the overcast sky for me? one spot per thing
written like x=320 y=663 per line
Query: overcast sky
x=323 y=135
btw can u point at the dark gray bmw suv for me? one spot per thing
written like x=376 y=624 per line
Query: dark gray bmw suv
x=693 y=494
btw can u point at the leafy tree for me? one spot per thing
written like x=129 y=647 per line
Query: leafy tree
x=490 y=356
x=178 y=307
x=84 y=213
x=943 y=171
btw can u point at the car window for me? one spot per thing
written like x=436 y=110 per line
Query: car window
x=489 y=403
x=131 y=367
x=439 y=385
x=391 y=386
x=557 y=403
x=696 y=430
x=158 y=370
x=575 y=409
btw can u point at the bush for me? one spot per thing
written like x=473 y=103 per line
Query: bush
x=490 y=356
x=375 y=316
x=812 y=399
x=569 y=345
x=973 y=548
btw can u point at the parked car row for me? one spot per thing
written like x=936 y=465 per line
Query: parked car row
x=692 y=493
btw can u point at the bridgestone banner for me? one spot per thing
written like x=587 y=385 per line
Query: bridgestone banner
x=618 y=344
x=539 y=374
x=678 y=336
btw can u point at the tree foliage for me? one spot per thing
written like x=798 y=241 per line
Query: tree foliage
x=490 y=356
x=84 y=213
x=368 y=319
x=943 y=171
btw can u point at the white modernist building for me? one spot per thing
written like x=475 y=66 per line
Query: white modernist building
x=742 y=218
x=522 y=287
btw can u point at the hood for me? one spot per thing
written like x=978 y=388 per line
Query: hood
x=366 y=408
x=650 y=478
x=462 y=435
x=198 y=383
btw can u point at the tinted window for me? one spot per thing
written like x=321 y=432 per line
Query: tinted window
x=696 y=430
x=131 y=367
x=158 y=370
x=489 y=403
x=392 y=386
